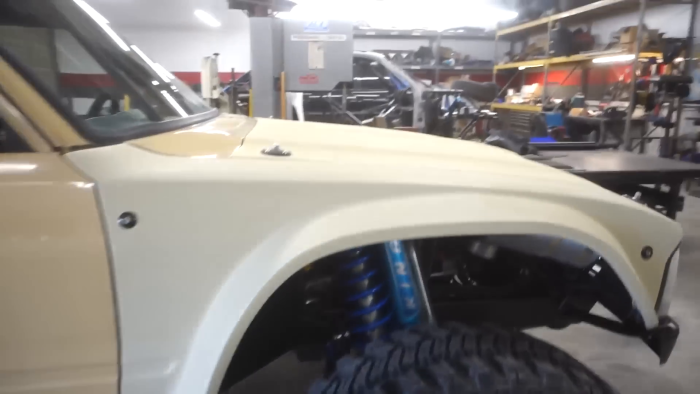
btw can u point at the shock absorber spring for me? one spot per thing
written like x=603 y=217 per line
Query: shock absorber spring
x=366 y=295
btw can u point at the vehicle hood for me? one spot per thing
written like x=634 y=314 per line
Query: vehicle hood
x=390 y=153
x=371 y=155
x=232 y=136
x=219 y=137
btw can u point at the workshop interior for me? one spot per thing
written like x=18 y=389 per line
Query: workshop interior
x=349 y=196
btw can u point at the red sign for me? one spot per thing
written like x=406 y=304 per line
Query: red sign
x=309 y=79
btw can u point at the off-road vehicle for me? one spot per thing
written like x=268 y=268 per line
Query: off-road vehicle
x=149 y=245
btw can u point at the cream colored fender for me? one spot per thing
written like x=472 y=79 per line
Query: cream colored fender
x=215 y=238
x=409 y=218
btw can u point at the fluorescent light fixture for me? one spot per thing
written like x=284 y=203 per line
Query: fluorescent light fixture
x=150 y=63
x=164 y=71
x=103 y=22
x=155 y=83
x=91 y=11
x=613 y=59
x=174 y=103
x=413 y=15
x=206 y=18
x=534 y=65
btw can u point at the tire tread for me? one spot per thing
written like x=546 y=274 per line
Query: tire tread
x=456 y=358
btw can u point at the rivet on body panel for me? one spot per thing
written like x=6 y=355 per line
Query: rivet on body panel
x=127 y=220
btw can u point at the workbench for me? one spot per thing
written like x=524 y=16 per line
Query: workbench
x=607 y=133
x=604 y=126
x=659 y=180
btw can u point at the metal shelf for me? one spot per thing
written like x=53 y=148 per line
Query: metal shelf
x=462 y=69
x=517 y=107
x=587 y=12
x=464 y=34
x=570 y=59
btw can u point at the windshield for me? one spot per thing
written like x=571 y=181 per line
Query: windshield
x=115 y=90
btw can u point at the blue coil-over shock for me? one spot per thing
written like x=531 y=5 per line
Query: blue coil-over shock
x=367 y=296
x=379 y=296
x=403 y=284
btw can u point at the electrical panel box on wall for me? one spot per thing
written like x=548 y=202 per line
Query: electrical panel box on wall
x=318 y=55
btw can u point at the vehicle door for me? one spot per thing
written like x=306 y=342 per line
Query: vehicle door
x=57 y=314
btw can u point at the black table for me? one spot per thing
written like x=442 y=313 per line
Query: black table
x=603 y=129
x=658 y=179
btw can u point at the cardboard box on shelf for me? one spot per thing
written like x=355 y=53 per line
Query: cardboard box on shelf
x=449 y=81
x=531 y=91
x=578 y=112
x=651 y=41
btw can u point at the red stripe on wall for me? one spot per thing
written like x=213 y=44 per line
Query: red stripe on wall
x=106 y=81
x=478 y=77
x=596 y=76
x=87 y=80
x=193 y=77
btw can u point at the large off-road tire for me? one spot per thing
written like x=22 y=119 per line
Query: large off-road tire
x=464 y=360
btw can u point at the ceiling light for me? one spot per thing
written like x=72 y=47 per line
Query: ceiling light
x=103 y=22
x=613 y=59
x=206 y=18
x=91 y=11
x=174 y=103
x=155 y=83
x=473 y=13
x=535 y=65
x=150 y=63
x=164 y=71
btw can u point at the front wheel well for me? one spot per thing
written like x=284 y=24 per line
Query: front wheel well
x=512 y=281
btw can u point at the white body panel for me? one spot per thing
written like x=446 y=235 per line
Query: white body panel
x=216 y=236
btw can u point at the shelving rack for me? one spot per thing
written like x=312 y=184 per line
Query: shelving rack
x=457 y=34
x=434 y=38
x=586 y=13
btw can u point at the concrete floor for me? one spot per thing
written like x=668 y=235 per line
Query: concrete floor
x=626 y=363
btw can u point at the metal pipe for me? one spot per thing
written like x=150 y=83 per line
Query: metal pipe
x=686 y=72
x=413 y=260
x=495 y=57
x=506 y=85
x=546 y=65
x=627 y=136
x=283 y=96
x=437 y=53
x=561 y=84
x=345 y=98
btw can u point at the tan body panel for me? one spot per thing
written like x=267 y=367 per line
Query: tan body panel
x=217 y=138
x=36 y=108
x=57 y=322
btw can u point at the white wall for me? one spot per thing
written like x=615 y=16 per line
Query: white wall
x=182 y=50
x=72 y=57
